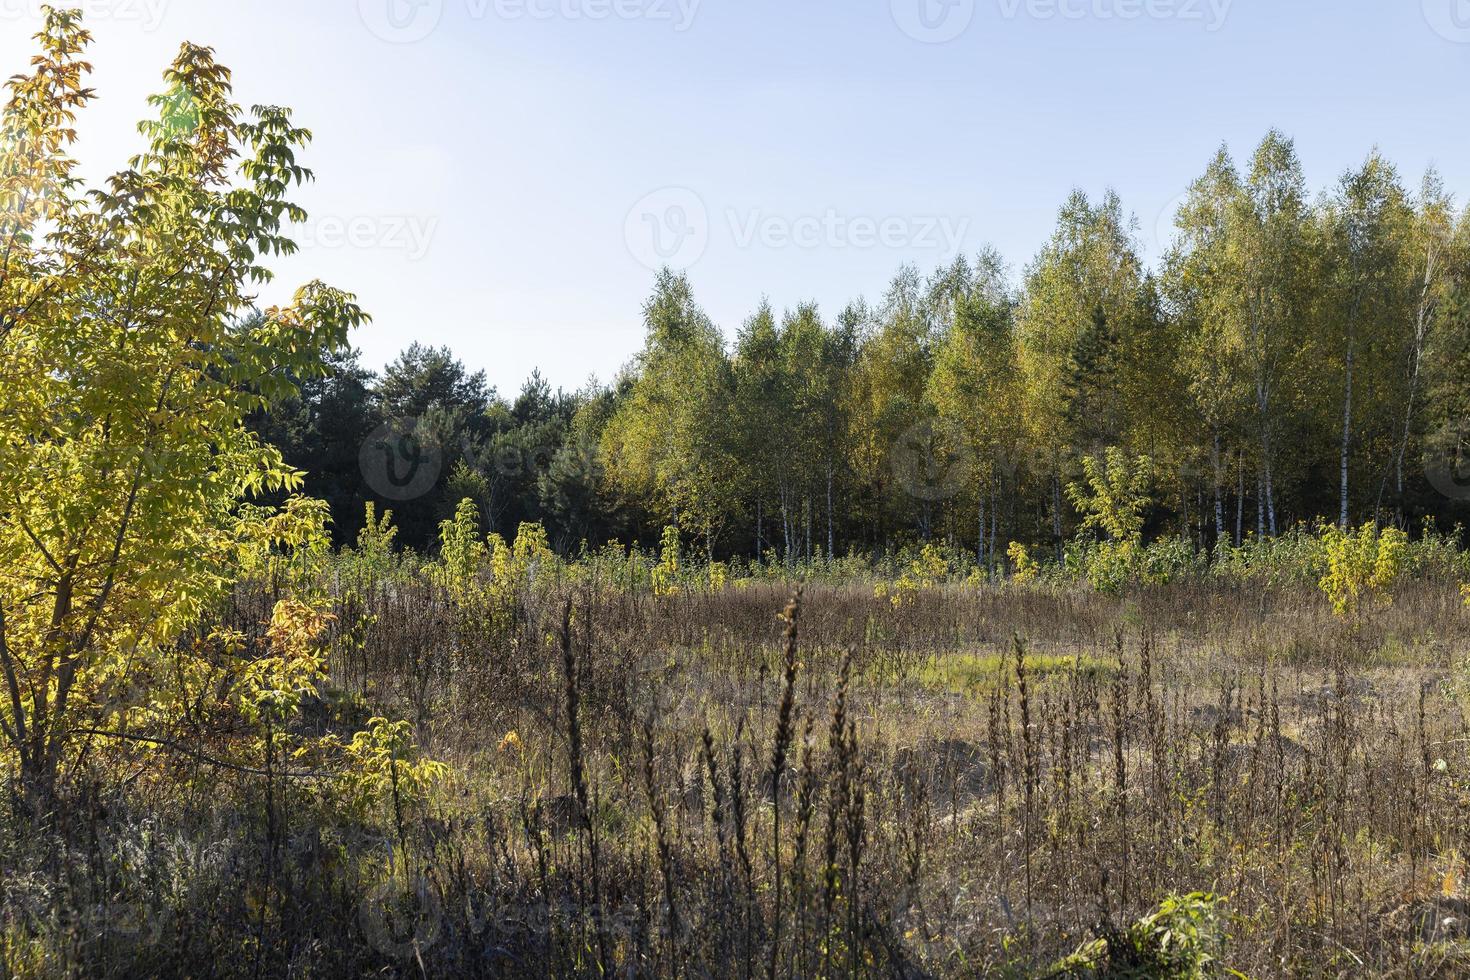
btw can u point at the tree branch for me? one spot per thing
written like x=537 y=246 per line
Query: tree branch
x=182 y=749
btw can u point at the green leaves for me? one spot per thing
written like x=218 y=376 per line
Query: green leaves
x=1113 y=496
x=125 y=374
x=668 y=442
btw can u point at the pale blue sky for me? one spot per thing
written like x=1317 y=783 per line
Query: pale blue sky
x=491 y=173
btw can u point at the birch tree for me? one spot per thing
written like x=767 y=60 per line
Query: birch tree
x=1267 y=248
x=1083 y=287
x=1368 y=220
x=1202 y=289
x=974 y=387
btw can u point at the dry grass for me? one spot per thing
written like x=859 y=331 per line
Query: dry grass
x=976 y=783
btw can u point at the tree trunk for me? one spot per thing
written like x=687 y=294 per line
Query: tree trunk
x=1219 y=492
x=760 y=529
x=1423 y=315
x=1239 y=497
x=980 y=530
x=806 y=519
x=994 y=529
x=1270 y=494
x=1347 y=437
x=831 y=547
x=1261 y=503
x=1056 y=515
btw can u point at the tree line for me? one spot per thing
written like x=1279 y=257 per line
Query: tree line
x=1290 y=357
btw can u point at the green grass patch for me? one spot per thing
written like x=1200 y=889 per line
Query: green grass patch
x=978 y=674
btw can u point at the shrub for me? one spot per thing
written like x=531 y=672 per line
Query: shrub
x=461 y=552
x=1114 y=495
x=666 y=572
x=1178 y=941
x=1172 y=559
x=1023 y=567
x=375 y=541
x=1362 y=564
x=926 y=571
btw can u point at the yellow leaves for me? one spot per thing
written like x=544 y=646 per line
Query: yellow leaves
x=375 y=540
x=271 y=688
x=1023 y=567
x=229 y=640
x=927 y=571
x=532 y=548
x=514 y=568
x=461 y=552
x=1113 y=495
x=492 y=573
x=289 y=544
x=666 y=572
x=1361 y=564
x=384 y=765
x=719 y=575
x=295 y=627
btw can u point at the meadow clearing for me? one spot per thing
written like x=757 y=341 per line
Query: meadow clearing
x=619 y=766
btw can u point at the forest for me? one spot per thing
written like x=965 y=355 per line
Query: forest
x=1104 y=622
x=1295 y=357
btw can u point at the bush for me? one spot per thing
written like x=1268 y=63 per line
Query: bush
x=1179 y=941
x=1362 y=565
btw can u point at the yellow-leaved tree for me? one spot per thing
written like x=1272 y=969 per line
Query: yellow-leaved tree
x=1113 y=499
x=126 y=372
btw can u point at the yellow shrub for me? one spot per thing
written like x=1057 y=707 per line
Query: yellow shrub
x=384 y=765
x=1023 y=566
x=719 y=575
x=272 y=687
x=924 y=572
x=1361 y=564
x=666 y=572
x=461 y=552
x=514 y=568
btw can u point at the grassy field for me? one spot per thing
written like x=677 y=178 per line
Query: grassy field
x=1010 y=780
